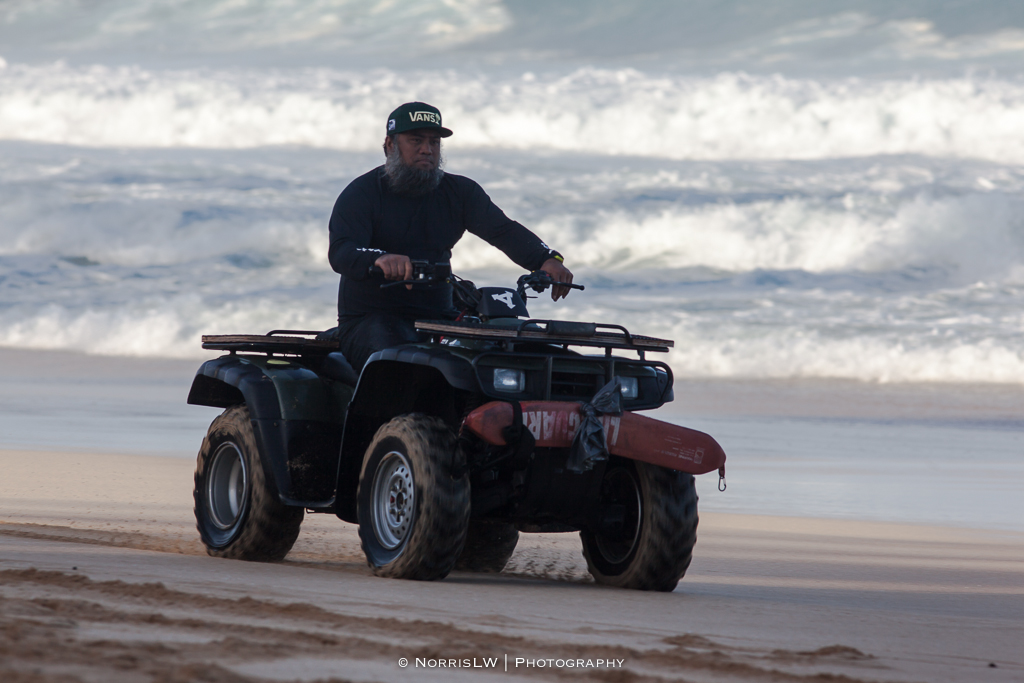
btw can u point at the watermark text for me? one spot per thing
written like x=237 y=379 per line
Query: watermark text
x=507 y=662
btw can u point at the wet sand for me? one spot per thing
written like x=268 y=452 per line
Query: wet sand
x=103 y=578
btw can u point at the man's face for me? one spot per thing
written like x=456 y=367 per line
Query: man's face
x=419 y=149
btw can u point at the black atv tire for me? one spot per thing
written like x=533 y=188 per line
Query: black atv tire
x=413 y=514
x=489 y=545
x=652 y=547
x=237 y=514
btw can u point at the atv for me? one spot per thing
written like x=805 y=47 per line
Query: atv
x=444 y=451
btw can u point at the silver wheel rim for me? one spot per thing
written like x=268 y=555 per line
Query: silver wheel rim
x=226 y=486
x=616 y=552
x=393 y=500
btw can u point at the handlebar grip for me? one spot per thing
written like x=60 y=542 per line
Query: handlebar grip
x=546 y=280
x=377 y=271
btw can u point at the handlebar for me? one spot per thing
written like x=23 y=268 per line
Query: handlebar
x=538 y=281
x=424 y=273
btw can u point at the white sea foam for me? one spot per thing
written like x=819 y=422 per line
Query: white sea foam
x=974 y=236
x=890 y=269
x=596 y=111
x=170 y=328
x=145 y=210
x=792 y=334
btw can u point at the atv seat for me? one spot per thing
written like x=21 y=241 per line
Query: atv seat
x=337 y=367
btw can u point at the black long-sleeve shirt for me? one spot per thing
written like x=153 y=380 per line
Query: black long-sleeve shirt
x=369 y=220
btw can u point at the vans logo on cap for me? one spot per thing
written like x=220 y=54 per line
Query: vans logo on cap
x=428 y=116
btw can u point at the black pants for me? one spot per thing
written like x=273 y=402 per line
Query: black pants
x=361 y=336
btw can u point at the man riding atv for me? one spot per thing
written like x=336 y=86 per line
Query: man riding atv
x=444 y=447
x=410 y=209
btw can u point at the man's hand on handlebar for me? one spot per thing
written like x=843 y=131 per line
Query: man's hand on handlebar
x=559 y=273
x=395 y=267
x=401 y=270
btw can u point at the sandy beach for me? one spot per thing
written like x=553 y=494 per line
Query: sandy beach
x=103 y=577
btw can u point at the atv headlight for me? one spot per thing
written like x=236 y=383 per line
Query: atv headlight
x=630 y=387
x=512 y=381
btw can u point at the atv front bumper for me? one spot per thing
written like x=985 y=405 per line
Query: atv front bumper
x=554 y=425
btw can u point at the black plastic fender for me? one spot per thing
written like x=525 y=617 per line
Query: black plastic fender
x=297 y=417
x=456 y=370
x=397 y=381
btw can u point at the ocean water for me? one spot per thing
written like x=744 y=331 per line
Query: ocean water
x=962 y=473
x=789 y=190
x=788 y=193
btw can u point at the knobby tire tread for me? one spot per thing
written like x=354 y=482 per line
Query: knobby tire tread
x=270 y=528
x=442 y=516
x=668 y=535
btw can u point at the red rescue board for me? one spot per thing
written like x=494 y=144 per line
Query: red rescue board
x=555 y=423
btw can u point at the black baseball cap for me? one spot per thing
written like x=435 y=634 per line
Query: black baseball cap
x=414 y=116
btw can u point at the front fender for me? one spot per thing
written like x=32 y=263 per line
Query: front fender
x=397 y=381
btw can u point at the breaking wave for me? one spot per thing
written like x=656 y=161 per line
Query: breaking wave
x=588 y=110
x=901 y=269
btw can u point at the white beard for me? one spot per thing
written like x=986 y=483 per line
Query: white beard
x=411 y=181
